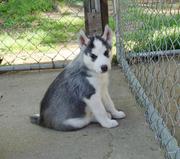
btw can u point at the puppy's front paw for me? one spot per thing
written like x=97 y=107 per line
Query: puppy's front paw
x=110 y=124
x=119 y=115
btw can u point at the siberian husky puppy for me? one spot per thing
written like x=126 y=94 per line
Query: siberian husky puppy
x=79 y=95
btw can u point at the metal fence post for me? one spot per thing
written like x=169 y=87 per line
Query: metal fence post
x=154 y=64
x=119 y=35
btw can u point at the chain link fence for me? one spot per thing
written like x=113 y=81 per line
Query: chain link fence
x=39 y=34
x=148 y=49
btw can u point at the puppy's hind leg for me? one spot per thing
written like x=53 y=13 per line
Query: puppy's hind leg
x=76 y=123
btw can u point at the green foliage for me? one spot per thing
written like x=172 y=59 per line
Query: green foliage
x=151 y=31
x=114 y=60
x=112 y=23
x=19 y=11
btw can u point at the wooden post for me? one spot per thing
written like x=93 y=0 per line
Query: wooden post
x=96 y=16
x=104 y=13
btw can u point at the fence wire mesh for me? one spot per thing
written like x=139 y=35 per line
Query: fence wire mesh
x=36 y=32
x=148 y=47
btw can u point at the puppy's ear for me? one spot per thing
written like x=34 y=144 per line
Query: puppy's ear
x=83 y=39
x=107 y=35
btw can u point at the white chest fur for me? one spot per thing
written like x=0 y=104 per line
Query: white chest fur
x=99 y=82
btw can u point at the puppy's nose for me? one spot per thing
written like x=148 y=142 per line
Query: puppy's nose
x=104 y=68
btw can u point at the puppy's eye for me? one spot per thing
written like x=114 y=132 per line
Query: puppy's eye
x=106 y=53
x=94 y=57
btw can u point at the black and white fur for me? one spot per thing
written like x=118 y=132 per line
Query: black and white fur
x=79 y=95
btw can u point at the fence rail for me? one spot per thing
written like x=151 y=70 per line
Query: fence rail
x=148 y=50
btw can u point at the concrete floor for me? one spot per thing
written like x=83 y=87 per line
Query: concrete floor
x=20 y=94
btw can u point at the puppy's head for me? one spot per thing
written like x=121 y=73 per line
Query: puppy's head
x=97 y=51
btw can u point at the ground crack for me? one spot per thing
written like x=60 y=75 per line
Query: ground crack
x=110 y=146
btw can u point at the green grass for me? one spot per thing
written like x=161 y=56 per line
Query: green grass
x=45 y=35
x=72 y=2
x=24 y=26
x=48 y=34
x=33 y=31
x=153 y=30
x=18 y=12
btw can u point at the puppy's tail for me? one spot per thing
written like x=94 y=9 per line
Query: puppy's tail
x=35 y=119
